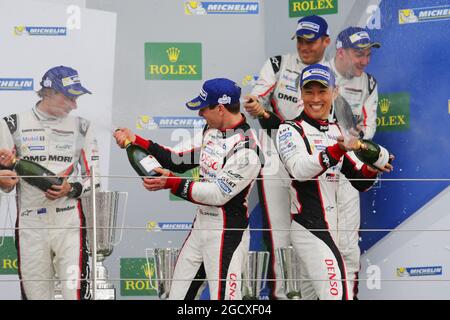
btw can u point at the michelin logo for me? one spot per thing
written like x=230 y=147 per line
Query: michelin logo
x=419 y=271
x=175 y=226
x=204 y=8
x=153 y=123
x=168 y=226
x=40 y=31
x=16 y=84
x=425 y=14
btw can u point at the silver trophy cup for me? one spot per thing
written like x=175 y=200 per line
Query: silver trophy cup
x=107 y=206
x=290 y=267
x=164 y=260
x=255 y=274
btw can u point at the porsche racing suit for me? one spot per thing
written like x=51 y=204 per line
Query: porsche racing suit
x=51 y=232
x=362 y=95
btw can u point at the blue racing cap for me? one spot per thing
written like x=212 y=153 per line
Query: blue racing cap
x=216 y=91
x=311 y=28
x=65 y=80
x=355 y=38
x=317 y=73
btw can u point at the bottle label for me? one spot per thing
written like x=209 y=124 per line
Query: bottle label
x=149 y=163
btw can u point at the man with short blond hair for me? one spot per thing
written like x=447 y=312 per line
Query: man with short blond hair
x=359 y=90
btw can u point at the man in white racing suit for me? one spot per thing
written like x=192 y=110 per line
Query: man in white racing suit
x=275 y=98
x=315 y=156
x=51 y=224
x=359 y=89
x=229 y=161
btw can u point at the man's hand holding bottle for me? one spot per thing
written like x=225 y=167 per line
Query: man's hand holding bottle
x=254 y=107
x=353 y=143
x=124 y=136
x=7 y=158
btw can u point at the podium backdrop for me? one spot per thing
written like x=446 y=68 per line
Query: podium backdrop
x=161 y=53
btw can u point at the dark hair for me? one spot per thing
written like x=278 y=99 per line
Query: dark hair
x=234 y=107
x=310 y=84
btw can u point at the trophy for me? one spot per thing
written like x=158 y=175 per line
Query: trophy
x=164 y=260
x=107 y=205
x=290 y=270
x=254 y=274
x=369 y=152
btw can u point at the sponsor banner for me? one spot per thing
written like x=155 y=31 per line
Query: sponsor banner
x=419 y=271
x=153 y=123
x=173 y=61
x=193 y=174
x=393 y=111
x=40 y=31
x=425 y=14
x=169 y=226
x=8 y=256
x=300 y=8
x=16 y=84
x=220 y=7
x=136 y=274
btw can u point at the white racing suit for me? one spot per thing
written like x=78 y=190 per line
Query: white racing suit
x=309 y=150
x=279 y=92
x=50 y=233
x=229 y=163
x=362 y=95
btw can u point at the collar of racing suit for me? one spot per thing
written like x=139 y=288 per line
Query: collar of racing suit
x=43 y=116
x=321 y=125
x=241 y=125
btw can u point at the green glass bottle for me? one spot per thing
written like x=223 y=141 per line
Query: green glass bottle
x=141 y=160
x=36 y=174
x=373 y=154
x=369 y=153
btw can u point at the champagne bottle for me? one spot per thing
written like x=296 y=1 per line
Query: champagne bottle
x=44 y=177
x=141 y=160
x=372 y=154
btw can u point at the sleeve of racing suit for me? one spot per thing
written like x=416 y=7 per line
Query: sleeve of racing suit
x=267 y=80
x=89 y=157
x=239 y=171
x=181 y=158
x=298 y=158
x=370 y=109
x=273 y=122
x=353 y=168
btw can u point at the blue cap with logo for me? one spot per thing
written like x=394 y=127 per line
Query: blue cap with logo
x=317 y=73
x=311 y=28
x=65 y=80
x=216 y=91
x=355 y=38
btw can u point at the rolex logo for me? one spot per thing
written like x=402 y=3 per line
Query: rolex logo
x=173 y=54
x=384 y=105
x=173 y=61
x=148 y=270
